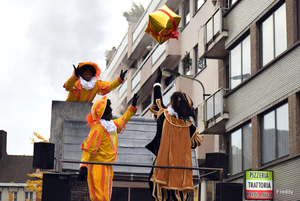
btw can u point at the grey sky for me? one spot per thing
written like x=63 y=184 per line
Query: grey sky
x=40 y=40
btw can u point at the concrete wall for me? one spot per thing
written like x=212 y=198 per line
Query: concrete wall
x=65 y=111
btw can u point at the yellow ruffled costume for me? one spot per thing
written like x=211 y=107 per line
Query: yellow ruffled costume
x=78 y=93
x=102 y=146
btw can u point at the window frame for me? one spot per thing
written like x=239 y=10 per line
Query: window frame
x=190 y=68
x=186 y=12
x=145 y=101
x=197 y=7
x=264 y=19
x=274 y=109
x=241 y=128
x=197 y=61
x=240 y=43
x=15 y=193
x=30 y=193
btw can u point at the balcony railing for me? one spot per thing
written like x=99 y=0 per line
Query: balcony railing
x=116 y=56
x=211 y=114
x=136 y=80
x=212 y=37
x=123 y=89
x=158 y=53
x=168 y=93
x=214 y=105
x=141 y=25
x=213 y=26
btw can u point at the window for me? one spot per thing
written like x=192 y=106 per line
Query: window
x=275 y=134
x=146 y=102
x=241 y=149
x=186 y=12
x=273 y=35
x=134 y=65
x=198 y=4
x=200 y=64
x=229 y=3
x=14 y=195
x=170 y=79
x=240 y=62
x=187 y=64
x=29 y=196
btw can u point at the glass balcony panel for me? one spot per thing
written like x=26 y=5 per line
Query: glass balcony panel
x=209 y=30
x=218 y=102
x=120 y=50
x=136 y=80
x=167 y=95
x=157 y=53
x=209 y=108
x=123 y=89
x=217 y=22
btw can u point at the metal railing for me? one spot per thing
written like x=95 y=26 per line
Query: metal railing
x=116 y=56
x=168 y=93
x=123 y=89
x=213 y=26
x=213 y=170
x=158 y=53
x=214 y=105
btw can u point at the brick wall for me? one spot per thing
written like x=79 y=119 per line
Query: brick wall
x=79 y=190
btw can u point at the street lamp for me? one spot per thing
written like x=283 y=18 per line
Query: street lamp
x=167 y=72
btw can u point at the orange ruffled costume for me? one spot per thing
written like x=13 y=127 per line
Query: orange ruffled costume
x=77 y=93
x=102 y=146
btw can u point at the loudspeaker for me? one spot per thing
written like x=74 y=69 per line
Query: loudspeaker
x=216 y=160
x=56 y=187
x=43 y=155
x=229 y=192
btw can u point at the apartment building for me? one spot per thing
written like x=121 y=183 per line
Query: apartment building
x=245 y=54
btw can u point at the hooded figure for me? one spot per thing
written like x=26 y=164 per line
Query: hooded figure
x=84 y=83
x=101 y=145
x=172 y=144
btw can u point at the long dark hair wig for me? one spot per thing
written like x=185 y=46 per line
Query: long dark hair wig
x=183 y=105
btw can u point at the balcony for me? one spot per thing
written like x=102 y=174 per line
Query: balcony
x=212 y=37
x=121 y=50
x=167 y=53
x=122 y=89
x=167 y=93
x=211 y=115
x=140 y=39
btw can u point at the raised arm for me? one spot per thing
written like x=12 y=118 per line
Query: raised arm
x=106 y=87
x=157 y=90
x=121 y=122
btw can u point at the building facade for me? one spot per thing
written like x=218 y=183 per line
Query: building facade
x=245 y=53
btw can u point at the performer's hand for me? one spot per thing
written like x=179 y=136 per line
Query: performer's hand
x=134 y=99
x=158 y=78
x=82 y=174
x=77 y=73
x=122 y=74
